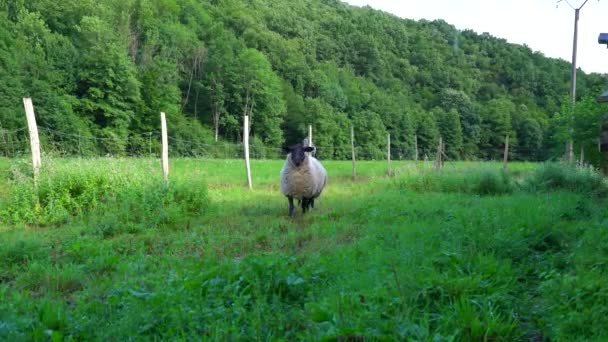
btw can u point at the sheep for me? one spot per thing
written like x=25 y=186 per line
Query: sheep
x=302 y=177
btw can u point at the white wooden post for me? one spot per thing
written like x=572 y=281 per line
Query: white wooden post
x=309 y=139
x=310 y=135
x=246 y=148
x=388 y=153
x=352 y=149
x=34 y=140
x=165 y=147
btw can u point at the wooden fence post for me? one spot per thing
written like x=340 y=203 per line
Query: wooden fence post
x=505 y=157
x=246 y=149
x=439 y=161
x=34 y=140
x=352 y=149
x=165 y=147
x=310 y=135
x=388 y=154
x=309 y=140
x=416 y=147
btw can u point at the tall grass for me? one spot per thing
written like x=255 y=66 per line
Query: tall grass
x=488 y=180
x=114 y=193
x=469 y=253
x=480 y=181
x=561 y=176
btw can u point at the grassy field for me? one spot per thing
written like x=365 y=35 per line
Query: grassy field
x=103 y=250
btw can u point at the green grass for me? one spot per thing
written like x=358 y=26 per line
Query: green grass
x=468 y=253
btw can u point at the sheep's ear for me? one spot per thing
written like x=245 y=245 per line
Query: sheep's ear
x=309 y=149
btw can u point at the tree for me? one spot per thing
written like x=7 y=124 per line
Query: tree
x=370 y=134
x=426 y=132
x=108 y=90
x=107 y=68
x=530 y=136
x=496 y=125
x=330 y=129
x=448 y=124
x=260 y=96
x=469 y=119
x=587 y=127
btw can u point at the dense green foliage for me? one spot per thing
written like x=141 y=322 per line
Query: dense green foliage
x=117 y=195
x=105 y=69
x=501 y=255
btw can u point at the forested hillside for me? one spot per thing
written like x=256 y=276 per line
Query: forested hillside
x=106 y=68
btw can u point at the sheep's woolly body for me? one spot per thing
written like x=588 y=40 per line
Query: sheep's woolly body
x=305 y=181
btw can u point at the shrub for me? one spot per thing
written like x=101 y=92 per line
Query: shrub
x=560 y=176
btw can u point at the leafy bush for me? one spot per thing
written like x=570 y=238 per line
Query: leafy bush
x=55 y=199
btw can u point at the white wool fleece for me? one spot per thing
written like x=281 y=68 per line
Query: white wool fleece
x=305 y=181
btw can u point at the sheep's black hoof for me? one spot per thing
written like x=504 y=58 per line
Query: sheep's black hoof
x=305 y=204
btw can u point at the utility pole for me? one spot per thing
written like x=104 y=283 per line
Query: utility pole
x=569 y=154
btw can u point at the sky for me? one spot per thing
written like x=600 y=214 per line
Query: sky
x=540 y=24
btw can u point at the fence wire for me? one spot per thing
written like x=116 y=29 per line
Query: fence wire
x=15 y=143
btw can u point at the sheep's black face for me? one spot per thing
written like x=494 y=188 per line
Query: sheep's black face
x=297 y=153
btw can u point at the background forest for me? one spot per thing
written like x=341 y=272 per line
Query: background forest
x=105 y=69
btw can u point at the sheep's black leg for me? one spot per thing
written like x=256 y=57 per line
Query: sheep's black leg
x=304 y=205
x=290 y=199
x=312 y=203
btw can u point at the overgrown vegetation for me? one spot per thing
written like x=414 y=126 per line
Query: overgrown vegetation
x=556 y=176
x=469 y=253
x=115 y=196
x=480 y=181
x=495 y=181
x=100 y=71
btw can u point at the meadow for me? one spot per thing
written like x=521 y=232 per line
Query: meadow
x=102 y=249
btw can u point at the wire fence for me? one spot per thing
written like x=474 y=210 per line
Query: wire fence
x=15 y=143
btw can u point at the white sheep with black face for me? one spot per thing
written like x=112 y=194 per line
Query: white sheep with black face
x=302 y=177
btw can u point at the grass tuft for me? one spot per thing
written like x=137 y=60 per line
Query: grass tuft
x=561 y=176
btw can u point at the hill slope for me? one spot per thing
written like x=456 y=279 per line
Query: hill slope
x=105 y=69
